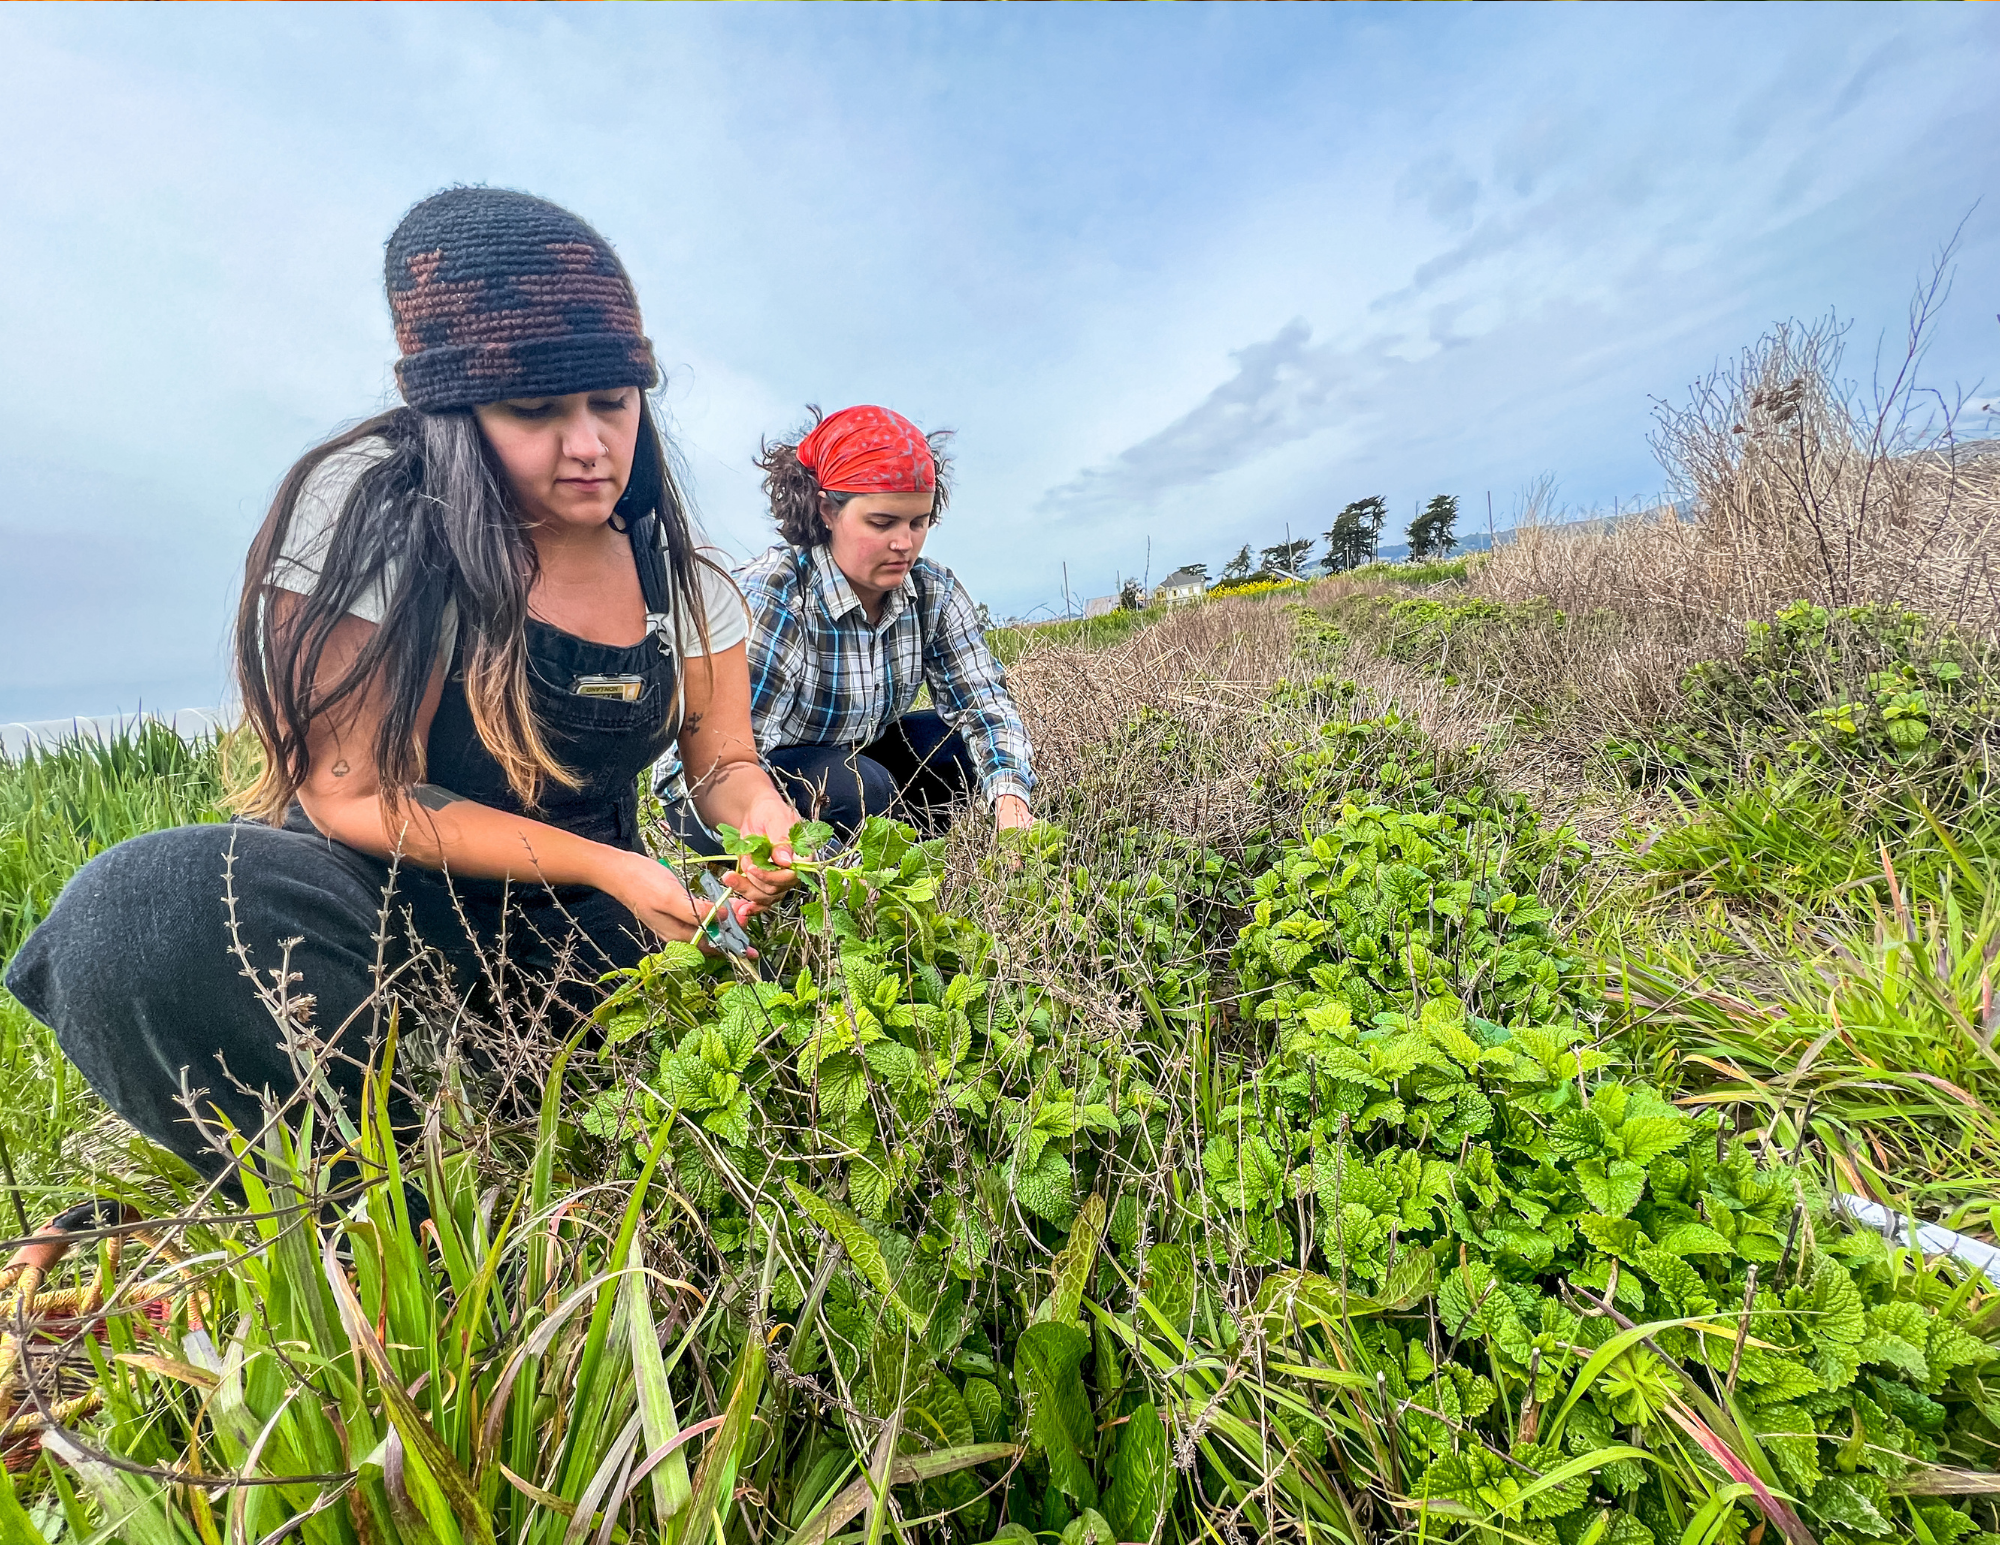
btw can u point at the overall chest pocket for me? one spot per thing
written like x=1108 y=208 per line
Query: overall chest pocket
x=562 y=692
x=605 y=710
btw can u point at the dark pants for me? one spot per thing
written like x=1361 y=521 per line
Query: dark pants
x=136 y=967
x=915 y=772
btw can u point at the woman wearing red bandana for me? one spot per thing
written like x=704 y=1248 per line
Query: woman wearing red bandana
x=849 y=619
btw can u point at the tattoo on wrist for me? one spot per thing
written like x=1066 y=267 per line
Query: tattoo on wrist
x=433 y=796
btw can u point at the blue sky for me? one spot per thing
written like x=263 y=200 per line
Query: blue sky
x=1189 y=274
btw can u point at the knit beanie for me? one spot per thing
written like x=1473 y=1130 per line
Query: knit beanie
x=499 y=294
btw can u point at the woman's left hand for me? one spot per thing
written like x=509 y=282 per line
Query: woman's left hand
x=771 y=816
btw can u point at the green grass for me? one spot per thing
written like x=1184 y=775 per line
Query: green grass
x=1862 y=1003
x=1438 y=571
x=63 y=806
x=58 y=808
x=1114 y=627
x=1090 y=632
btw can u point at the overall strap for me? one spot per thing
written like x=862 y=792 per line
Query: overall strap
x=655 y=584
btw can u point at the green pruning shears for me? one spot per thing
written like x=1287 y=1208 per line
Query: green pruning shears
x=721 y=927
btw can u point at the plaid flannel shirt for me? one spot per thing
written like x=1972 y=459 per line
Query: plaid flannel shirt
x=822 y=675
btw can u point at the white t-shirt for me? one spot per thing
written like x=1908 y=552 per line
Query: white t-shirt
x=298 y=564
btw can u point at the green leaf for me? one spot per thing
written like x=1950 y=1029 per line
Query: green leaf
x=1614 y=1236
x=862 y=973
x=1141 y=1476
x=1950 y=1347
x=1835 y=1321
x=1693 y=1239
x=1612 y=1187
x=989 y=1414
x=1412 y=1279
x=1471 y=1296
x=1048 y=1188
x=810 y=837
x=1577 y=1135
x=1679 y=1282
x=1169 y=1284
x=1897 y=1334
x=1560 y=1496
x=1074 y=1264
x=1308 y=1298
x=1090 y=1527
x=1452 y=1476
x=1854 y=1502
x=1772 y=1377
x=939 y=1415
x=1788 y=1436
x=971 y=1243
x=1645 y=1138
x=1247 y=1174
x=1047 y=1360
x=860 y=1245
x=1125 y=1218
x=872 y=1178
x=757 y=849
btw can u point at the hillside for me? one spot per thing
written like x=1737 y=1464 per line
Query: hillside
x=1415 y=1084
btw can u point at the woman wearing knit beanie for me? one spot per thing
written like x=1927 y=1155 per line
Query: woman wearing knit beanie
x=467 y=626
x=849 y=619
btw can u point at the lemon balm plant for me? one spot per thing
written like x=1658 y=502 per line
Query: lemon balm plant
x=1442 y=1129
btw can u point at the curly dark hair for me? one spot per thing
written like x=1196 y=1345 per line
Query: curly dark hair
x=795 y=493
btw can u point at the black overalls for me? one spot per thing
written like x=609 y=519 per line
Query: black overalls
x=137 y=971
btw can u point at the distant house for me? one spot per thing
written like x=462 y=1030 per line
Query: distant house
x=1179 y=586
x=1100 y=606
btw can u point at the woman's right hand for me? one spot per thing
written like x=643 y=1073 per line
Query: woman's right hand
x=660 y=899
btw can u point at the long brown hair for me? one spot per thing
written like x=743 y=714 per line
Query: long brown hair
x=795 y=493
x=436 y=508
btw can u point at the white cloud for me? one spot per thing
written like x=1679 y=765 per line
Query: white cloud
x=1186 y=275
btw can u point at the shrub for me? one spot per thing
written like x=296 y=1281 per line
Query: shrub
x=1868 y=697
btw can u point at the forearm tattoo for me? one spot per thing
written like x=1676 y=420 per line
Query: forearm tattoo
x=433 y=796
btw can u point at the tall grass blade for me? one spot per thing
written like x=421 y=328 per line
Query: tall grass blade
x=878 y=1477
x=669 y=1477
x=595 y=1389
x=715 y=1479
x=470 y=1515
x=1789 y=1524
x=616 y=1459
x=16 y=1527
x=137 y=1504
x=907 y=1470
